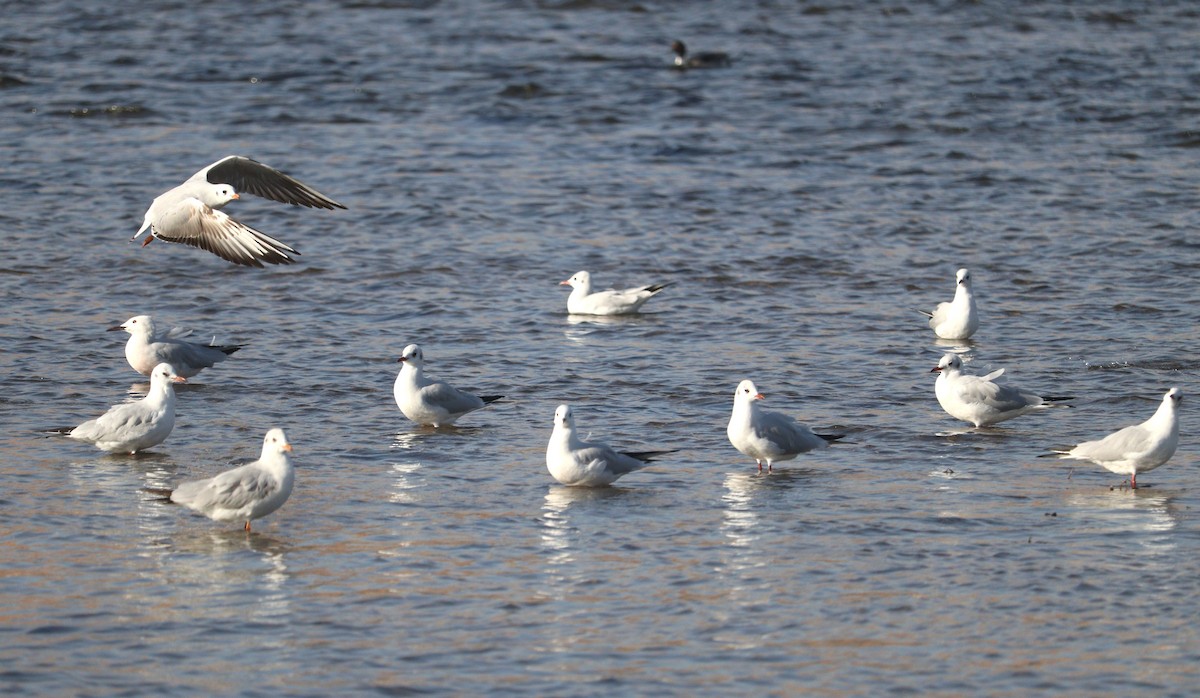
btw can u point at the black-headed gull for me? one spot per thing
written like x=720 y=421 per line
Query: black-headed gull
x=249 y=492
x=149 y=346
x=429 y=402
x=706 y=59
x=959 y=318
x=572 y=461
x=768 y=436
x=1139 y=448
x=190 y=213
x=978 y=399
x=583 y=301
x=135 y=426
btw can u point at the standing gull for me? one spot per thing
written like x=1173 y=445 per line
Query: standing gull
x=575 y=462
x=429 y=402
x=979 y=400
x=149 y=346
x=1139 y=448
x=190 y=213
x=249 y=492
x=768 y=436
x=583 y=301
x=957 y=319
x=135 y=426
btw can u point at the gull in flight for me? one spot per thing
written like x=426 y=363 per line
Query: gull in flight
x=572 y=461
x=149 y=346
x=429 y=402
x=1139 y=448
x=978 y=399
x=768 y=436
x=135 y=426
x=959 y=318
x=190 y=213
x=584 y=301
x=249 y=492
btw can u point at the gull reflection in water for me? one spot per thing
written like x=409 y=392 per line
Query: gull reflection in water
x=408 y=478
x=226 y=572
x=583 y=325
x=559 y=534
x=1151 y=516
x=739 y=518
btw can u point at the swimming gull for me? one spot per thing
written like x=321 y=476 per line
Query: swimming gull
x=150 y=345
x=583 y=301
x=429 y=402
x=979 y=399
x=572 y=461
x=135 y=426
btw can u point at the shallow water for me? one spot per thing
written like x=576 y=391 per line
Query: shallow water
x=803 y=201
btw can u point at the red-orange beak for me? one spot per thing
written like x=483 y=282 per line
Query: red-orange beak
x=760 y=396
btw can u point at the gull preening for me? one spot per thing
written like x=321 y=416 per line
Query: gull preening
x=572 y=461
x=135 y=426
x=249 y=492
x=429 y=402
x=584 y=301
x=1139 y=448
x=190 y=213
x=959 y=318
x=149 y=345
x=768 y=436
x=706 y=59
x=978 y=399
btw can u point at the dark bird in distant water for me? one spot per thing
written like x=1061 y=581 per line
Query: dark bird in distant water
x=708 y=59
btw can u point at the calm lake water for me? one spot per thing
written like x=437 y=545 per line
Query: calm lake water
x=803 y=202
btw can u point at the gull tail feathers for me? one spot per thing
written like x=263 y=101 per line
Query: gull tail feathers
x=648 y=456
x=161 y=494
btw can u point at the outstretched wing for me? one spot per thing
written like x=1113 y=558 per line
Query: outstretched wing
x=253 y=177
x=196 y=224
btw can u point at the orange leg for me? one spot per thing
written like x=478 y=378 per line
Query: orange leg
x=247 y=527
x=149 y=239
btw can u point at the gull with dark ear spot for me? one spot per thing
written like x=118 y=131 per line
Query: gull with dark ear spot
x=150 y=345
x=429 y=402
x=979 y=399
x=1139 y=448
x=190 y=213
x=572 y=461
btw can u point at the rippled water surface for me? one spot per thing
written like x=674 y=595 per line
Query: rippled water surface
x=802 y=201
